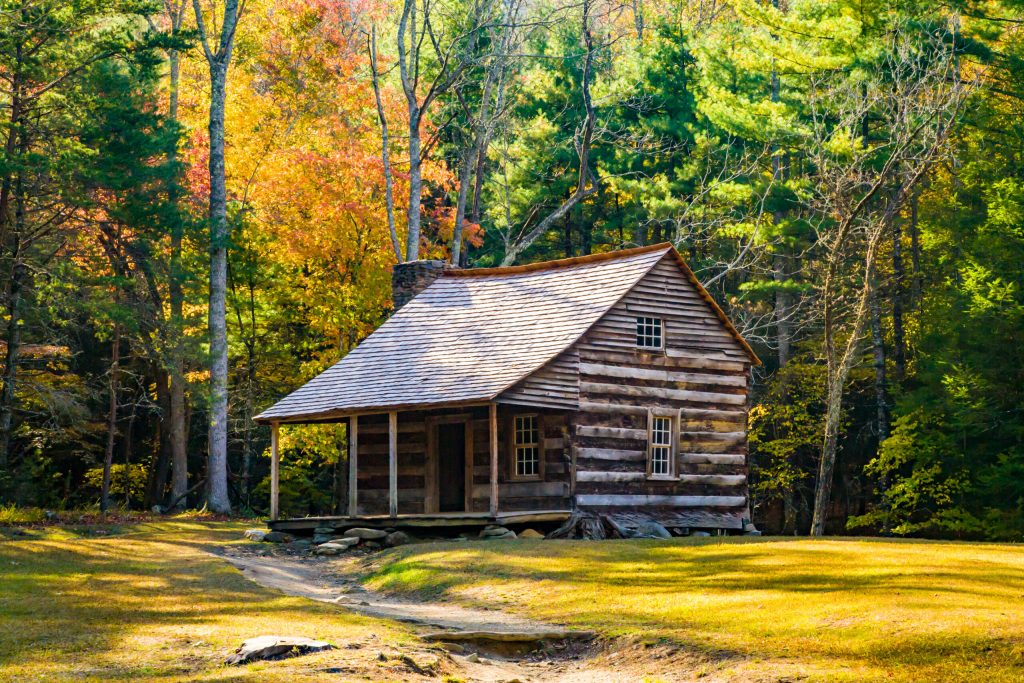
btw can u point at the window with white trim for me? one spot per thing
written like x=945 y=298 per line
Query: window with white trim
x=649 y=333
x=526 y=441
x=659 y=451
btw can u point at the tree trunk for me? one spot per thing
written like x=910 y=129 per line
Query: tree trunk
x=108 y=457
x=878 y=361
x=465 y=166
x=217 y=458
x=412 y=243
x=783 y=330
x=389 y=181
x=838 y=371
x=11 y=359
x=126 y=449
x=250 y=405
x=176 y=432
x=898 y=287
x=161 y=461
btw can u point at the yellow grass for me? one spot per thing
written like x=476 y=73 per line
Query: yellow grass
x=758 y=609
x=151 y=605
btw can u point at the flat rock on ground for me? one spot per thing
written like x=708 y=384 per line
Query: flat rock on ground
x=276 y=647
x=366 y=534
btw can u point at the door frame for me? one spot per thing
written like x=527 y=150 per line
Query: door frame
x=431 y=474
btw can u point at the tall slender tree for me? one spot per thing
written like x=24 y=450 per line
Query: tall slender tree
x=218 y=57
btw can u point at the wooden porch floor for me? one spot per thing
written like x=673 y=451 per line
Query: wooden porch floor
x=440 y=520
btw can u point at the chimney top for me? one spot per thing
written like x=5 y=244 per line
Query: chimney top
x=412 y=277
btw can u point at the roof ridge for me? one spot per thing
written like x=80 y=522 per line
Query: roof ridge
x=558 y=263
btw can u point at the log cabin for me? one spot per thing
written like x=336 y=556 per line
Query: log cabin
x=609 y=385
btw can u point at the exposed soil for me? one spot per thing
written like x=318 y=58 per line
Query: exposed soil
x=538 y=652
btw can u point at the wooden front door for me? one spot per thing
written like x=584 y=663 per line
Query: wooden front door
x=451 y=467
x=449 y=464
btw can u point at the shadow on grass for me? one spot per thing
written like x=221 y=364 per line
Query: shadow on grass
x=88 y=602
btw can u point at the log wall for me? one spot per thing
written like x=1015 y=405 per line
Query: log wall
x=700 y=377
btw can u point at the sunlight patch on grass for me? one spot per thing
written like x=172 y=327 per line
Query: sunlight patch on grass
x=838 y=609
x=151 y=605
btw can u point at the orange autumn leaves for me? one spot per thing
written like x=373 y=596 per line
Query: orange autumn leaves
x=305 y=175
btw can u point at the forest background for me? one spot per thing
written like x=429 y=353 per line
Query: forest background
x=201 y=202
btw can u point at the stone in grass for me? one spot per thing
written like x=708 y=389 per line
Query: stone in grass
x=495 y=533
x=276 y=647
x=319 y=538
x=701 y=534
x=255 y=534
x=277 y=537
x=530 y=533
x=652 y=530
x=335 y=547
x=324 y=530
x=396 y=538
x=365 y=534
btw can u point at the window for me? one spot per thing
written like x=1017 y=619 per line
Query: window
x=526 y=443
x=660 y=447
x=648 y=333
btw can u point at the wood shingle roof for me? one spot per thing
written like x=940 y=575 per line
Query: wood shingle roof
x=470 y=335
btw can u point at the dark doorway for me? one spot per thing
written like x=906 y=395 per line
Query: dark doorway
x=451 y=466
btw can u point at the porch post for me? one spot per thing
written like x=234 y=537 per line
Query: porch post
x=494 y=458
x=274 y=473
x=353 y=459
x=393 y=464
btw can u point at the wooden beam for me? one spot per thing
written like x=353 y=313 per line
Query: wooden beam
x=393 y=464
x=494 y=458
x=275 y=476
x=593 y=500
x=353 y=465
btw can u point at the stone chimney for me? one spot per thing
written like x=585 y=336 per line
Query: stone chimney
x=412 y=277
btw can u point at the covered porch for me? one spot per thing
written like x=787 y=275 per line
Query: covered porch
x=454 y=467
x=448 y=521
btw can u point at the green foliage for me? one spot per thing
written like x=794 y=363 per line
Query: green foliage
x=127 y=483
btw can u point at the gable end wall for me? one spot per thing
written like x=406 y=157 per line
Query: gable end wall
x=702 y=376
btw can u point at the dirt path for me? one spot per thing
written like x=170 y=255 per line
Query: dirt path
x=307 y=580
x=557 y=659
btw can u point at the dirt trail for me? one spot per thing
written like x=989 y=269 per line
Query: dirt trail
x=308 y=581
x=559 y=661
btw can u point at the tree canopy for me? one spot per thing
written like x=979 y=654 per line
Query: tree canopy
x=846 y=178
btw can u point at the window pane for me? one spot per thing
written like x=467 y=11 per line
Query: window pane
x=661 y=446
x=527 y=446
x=649 y=332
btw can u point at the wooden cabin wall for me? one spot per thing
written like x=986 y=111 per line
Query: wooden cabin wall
x=372 y=471
x=556 y=385
x=702 y=373
x=550 y=494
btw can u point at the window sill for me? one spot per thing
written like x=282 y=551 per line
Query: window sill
x=536 y=477
x=662 y=477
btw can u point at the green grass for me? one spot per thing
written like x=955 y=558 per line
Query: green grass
x=144 y=602
x=757 y=609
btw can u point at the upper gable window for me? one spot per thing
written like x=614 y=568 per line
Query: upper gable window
x=649 y=333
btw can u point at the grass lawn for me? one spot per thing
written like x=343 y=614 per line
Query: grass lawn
x=146 y=603
x=757 y=609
